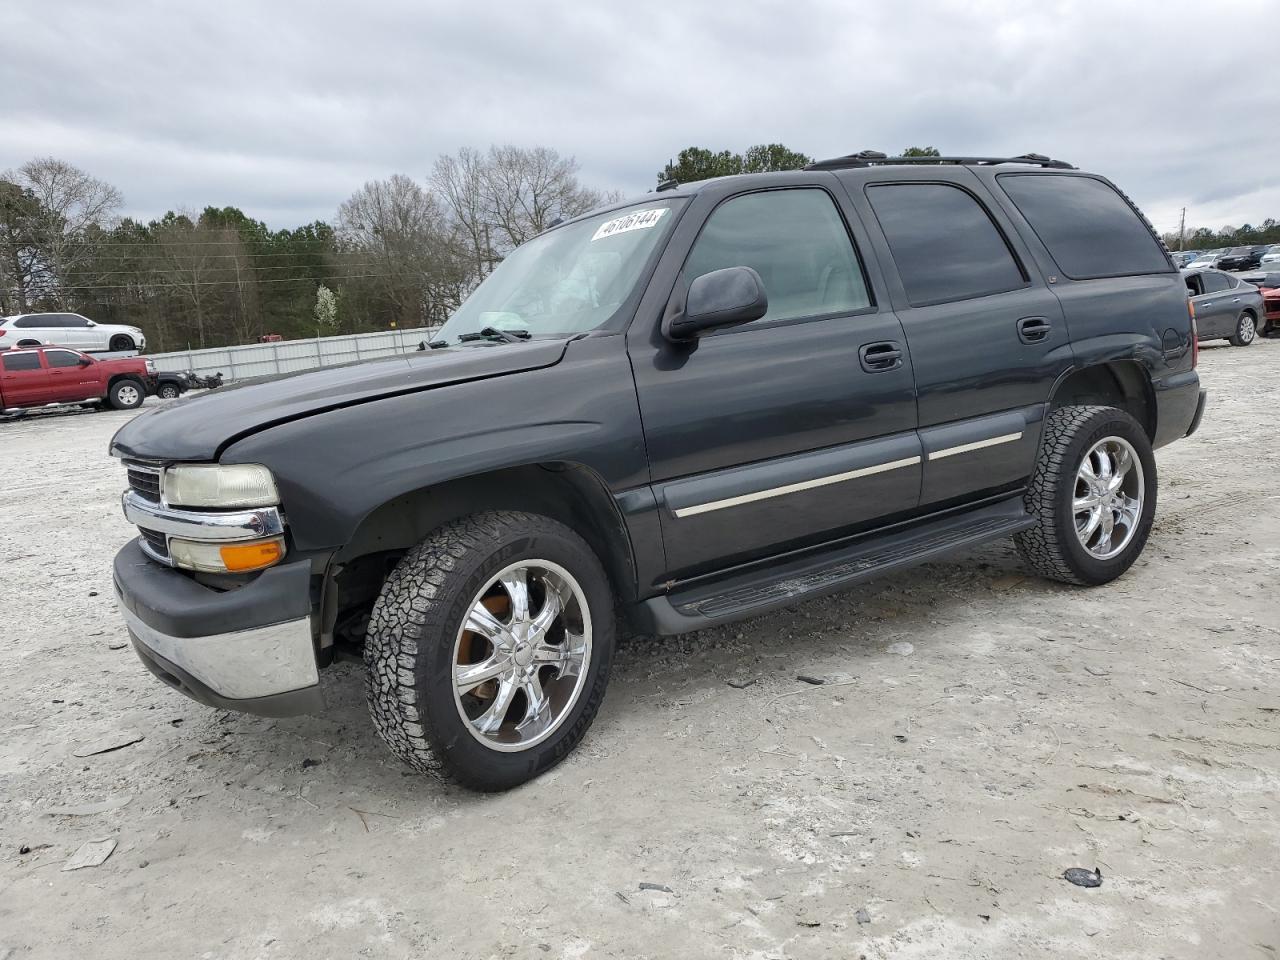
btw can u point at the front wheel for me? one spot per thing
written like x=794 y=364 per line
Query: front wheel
x=125 y=394
x=1246 y=330
x=1093 y=496
x=121 y=343
x=168 y=391
x=489 y=649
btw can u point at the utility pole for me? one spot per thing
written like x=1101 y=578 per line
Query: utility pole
x=1182 y=230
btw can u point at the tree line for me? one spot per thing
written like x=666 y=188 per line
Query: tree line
x=398 y=252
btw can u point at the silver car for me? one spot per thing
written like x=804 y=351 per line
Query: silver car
x=1227 y=308
x=68 y=330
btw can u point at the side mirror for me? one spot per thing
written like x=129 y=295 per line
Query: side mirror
x=721 y=298
x=84 y=362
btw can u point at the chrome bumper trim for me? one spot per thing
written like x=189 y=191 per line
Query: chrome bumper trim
x=262 y=662
x=203 y=525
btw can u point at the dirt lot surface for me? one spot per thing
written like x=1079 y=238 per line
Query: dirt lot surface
x=979 y=732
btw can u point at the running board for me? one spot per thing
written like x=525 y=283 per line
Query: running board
x=760 y=590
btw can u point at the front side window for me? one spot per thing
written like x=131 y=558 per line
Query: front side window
x=568 y=280
x=61 y=358
x=1088 y=228
x=944 y=242
x=798 y=244
x=20 y=361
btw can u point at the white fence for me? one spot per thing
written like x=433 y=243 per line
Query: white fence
x=271 y=359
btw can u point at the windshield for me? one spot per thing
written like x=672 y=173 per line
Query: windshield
x=567 y=280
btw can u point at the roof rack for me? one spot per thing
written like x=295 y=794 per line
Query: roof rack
x=874 y=158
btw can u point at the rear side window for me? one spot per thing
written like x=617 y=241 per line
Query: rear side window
x=30 y=323
x=20 y=361
x=1215 y=282
x=1088 y=228
x=61 y=358
x=944 y=242
x=798 y=244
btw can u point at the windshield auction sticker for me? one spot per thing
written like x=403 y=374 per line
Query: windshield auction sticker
x=640 y=220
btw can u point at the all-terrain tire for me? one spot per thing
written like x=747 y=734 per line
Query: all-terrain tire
x=1052 y=547
x=409 y=645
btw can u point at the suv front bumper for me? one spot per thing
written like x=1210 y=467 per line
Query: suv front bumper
x=249 y=649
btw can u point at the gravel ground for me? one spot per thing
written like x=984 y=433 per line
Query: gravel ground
x=979 y=732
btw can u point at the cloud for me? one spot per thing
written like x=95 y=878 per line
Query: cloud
x=285 y=108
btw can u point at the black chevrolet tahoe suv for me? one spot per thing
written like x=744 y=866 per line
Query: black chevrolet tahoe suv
x=717 y=400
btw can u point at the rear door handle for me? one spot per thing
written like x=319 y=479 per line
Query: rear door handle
x=878 y=357
x=1033 y=329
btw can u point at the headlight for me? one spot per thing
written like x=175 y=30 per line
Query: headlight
x=151 y=366
x=220 y=486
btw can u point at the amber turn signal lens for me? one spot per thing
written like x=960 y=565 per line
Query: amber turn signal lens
x=243 y=557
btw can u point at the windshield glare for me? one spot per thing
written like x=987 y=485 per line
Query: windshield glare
x=568 y=280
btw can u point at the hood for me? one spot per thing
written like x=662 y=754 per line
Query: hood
x=198 y=427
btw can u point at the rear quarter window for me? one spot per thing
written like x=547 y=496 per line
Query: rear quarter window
x=1089 y=229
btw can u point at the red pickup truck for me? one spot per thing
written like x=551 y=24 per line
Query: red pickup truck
x=39 y=376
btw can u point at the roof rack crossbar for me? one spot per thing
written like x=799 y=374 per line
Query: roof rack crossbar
x=872 y=158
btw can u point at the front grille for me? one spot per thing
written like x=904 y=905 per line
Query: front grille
x=145 y=482
x=158 y=543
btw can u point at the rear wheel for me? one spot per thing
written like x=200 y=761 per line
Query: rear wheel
x=120 y=343
x=489 y=649
x=1246 y=330
x=126 y=394
x=1093 y=495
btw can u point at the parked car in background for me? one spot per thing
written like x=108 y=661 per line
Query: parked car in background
x=1272 y=256
x=168 y=385
x=1242 y=258
x=1182 y=258
x=1269 y=284
x=69 y=330
x=1207 y=259
x=1226 y=307
x=39 y=376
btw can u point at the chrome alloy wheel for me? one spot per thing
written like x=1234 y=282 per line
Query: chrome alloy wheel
x=1246 y=329
x=1108 y=497
x=128 y=395
x=521 y=655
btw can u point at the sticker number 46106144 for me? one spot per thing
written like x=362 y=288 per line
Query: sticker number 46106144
x=640 y=220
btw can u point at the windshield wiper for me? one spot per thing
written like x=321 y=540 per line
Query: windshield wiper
x=493 y=333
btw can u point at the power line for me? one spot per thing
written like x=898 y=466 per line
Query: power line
x=204 y=283
x=142 y=273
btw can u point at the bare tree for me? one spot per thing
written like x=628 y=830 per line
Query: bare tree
x=70 y=204
x=413 y=248
x=461 y=183
x=527 y=189
x=193 y=260
x=509 y=195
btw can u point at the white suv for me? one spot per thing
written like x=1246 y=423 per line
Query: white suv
x=68 y=330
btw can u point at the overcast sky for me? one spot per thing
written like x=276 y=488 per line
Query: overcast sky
x=285 y=108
